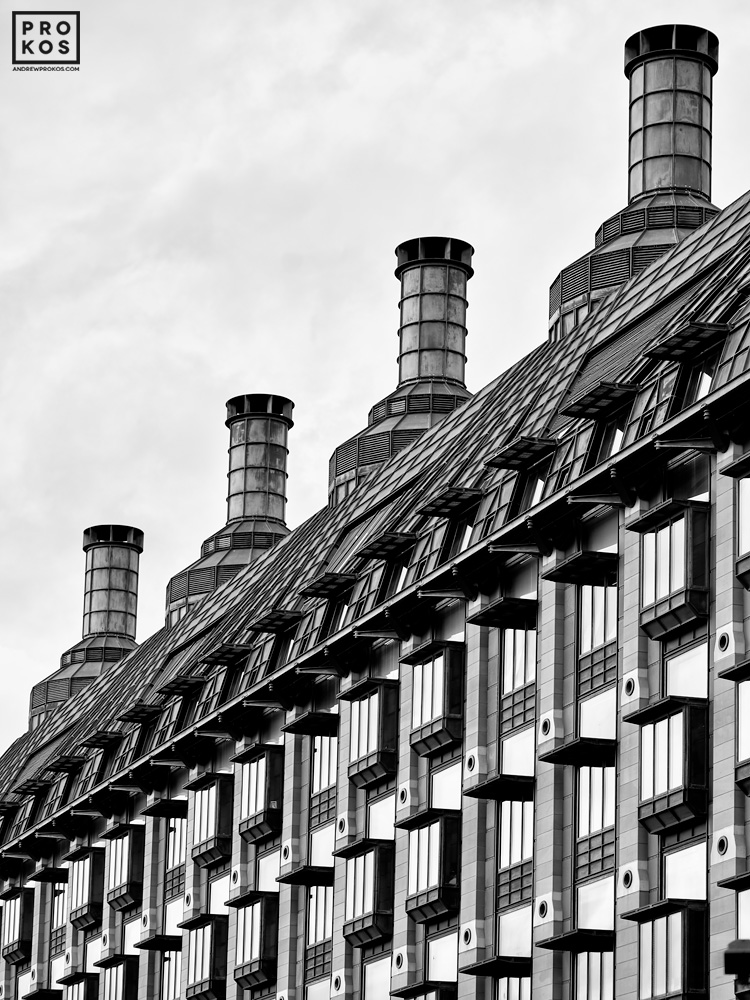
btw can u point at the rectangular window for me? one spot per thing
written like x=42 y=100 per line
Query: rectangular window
x=176 y=843
x=59 y=905
x=445 y=787
x=253 y=787
x=89 y=774
x=743 y=516
x=268 y=871
x=594 y=975
x=597 y=716
x=662 y=757
x=743 y=721
x=119 y=861
x=376 y=979
x=598 y=617
x=171 y=971
x=663 y=562
x=11 y=920
x=113 y=982
x=596 y=799
x=322 y=845
x=381 y=815
x=595 y=904
x=199 y=954
x=80 y=875
x=661 y=957
x=514 y=988
x=320 y=914
x=743 y=914
x=516 y=832
x=324 y=762
x=205 y=814
x=360 y=885
x=514 y=933
x=519 y=658
x=684 y=873
x=365 y=726
x=427 y=691
x=687 y=672
x=424 y=858
x=248 y=934
x=518 y=753
x=442 y=958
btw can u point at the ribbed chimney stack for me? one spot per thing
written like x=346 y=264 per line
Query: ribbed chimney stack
x=258 y=428
x=670 y=68
x=432 y=336
x=110 y=599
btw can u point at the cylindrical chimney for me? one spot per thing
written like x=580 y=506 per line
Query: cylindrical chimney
x=432 y=336
x=670 y=68
x=258 y=426
x=110 y=598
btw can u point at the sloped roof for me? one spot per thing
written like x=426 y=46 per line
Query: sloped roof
x=707 y=272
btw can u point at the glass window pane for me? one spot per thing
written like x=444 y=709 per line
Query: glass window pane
x=528 y=829
x=687 y=673
x=611 y=614
x=584 y=801
x=530 y=655
x=505 y=821
x=437 y=688
x=678 y=555
x=608 y=809
x=268 y=871
x=426 y=694
x=647 y=762
x=518 y=753
x=648 y=569
x=586 y=616
x=442 y=958
x=433 y=873
x=413 y=860
x=660 y=956
x=743 y=537
x=674 y=957
x=676 y=754
x=596 y=904
x=684 y=870
x=423 y=859
x=368 y=883
x=377 y=978
x=321 y=846
x=662 y=561
x=446 y=787
x=645 y=990
x=598 y=716
x=354 y=736
x=743 y=720
x=743 y=914
x=514 y=932
x=508 y=660
x=381 y=817
x=598 y=616
x=372 y=726
x=416 y=695
x=660 y=756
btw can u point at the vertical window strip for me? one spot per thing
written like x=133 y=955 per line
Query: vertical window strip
x=743 y=517
x=596 y=799
x=325 y=750
x=519 y=658
x=662 y=757
x=248 y=933
x=253 y=794
x=79 y=882
x=594 y=975
x=743 y=721
x=320 y=914
x=360 y=886
x=11 y=921
x=661 y=957
x=663 y=562
x=424 y=858
x=427 y=691
x=598 y=617
x=119 y=856
x=205 y=814
x=199 y=960
x=365 y=716
x=171 y=973
x=176 y=842
x=516 y=832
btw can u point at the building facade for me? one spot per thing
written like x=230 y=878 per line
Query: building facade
x=479 y=729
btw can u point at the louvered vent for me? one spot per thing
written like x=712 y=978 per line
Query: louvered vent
x=632 y=222
x=420 y=404
x=643 y=256
x=225 y=573
x=377 y=413
x=201 y=581
x=178 y=587
x=599 y=236
x=661 y=218
x=374 y=449
x=38 y=695
x=575 y=279
x=402 y=439
x=610 y=269
x=443 y=404
x=346 y=457
x=689 y=218
x=112 y=654
x=554 y=295
x=397 y=406
x=58 y=690
x=710 y=213
x=611 y=228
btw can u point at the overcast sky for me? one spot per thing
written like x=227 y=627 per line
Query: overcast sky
x=210 y=207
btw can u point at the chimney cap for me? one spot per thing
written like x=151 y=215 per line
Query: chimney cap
x=434 y=249
x=672 y=39
x=113 y=534
x=258 y=404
